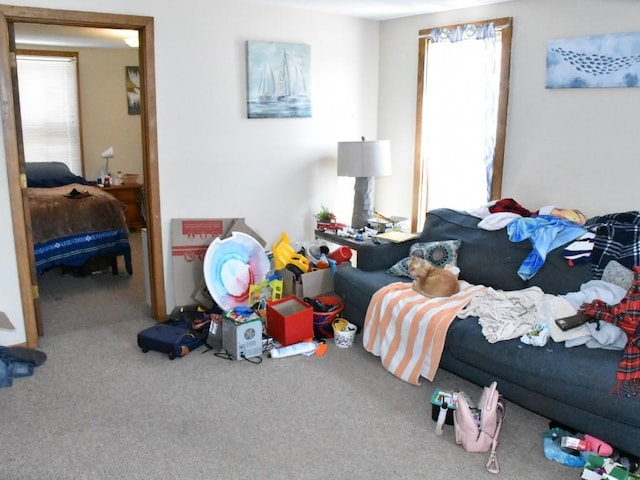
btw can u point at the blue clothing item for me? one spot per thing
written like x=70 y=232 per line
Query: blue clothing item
x=546 y=233
x=11 y=368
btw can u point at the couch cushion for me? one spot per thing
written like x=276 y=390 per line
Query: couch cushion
x=356 y=287
x=557 y=277
x=586 y=376
x=439 y=254
x=488 y=257
x=485 y=257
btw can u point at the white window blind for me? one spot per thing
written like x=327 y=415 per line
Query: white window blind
x=48 y=87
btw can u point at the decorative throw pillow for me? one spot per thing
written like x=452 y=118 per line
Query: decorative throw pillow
x=618 y=274
x=438 y=254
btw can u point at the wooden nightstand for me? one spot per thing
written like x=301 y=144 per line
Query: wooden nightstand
x=131 y=195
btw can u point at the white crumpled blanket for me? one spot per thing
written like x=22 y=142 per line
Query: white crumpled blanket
x=504 y=315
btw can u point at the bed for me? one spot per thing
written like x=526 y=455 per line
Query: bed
x=73 y=222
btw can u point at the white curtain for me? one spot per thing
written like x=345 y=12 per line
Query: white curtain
x=460 y=115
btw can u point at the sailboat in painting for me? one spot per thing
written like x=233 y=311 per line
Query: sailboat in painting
x=293 y=85
x=267 y=86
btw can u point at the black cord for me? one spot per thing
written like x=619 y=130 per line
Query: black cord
x=254 y=360
x=227 y=356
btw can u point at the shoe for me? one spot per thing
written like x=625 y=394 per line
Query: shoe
x=598 y=446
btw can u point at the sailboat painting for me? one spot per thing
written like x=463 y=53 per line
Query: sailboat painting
x=278 y=80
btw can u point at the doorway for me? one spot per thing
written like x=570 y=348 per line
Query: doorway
x=9 y=15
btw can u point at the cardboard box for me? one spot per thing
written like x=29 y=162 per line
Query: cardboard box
x=312 y=284
x=289 y=320
x=190 y=238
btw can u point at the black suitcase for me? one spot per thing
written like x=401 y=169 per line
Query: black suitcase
x=176 y=338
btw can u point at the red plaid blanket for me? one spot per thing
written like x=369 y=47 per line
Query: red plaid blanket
x=626 y=315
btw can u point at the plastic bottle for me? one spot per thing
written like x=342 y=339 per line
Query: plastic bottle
x=302 y=348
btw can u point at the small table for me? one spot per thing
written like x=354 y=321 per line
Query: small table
x=340 y=240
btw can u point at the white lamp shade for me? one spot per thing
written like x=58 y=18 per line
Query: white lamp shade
x=108 y=153
x=364 y=158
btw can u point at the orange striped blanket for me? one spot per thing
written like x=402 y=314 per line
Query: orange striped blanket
x=407 y=330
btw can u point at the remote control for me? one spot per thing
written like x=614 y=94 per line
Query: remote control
x=567 y=323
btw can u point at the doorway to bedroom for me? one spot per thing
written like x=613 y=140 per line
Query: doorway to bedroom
x=12 y=16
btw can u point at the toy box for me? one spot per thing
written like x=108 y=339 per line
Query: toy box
x=601 y=468
x=289 y=320
x=310 y=284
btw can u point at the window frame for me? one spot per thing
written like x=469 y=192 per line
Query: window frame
x=505 y=25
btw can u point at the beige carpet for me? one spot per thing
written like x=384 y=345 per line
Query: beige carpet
x=101 y=409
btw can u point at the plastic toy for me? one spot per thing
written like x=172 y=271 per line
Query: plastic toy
x=335 y=226
x=553 y=449
x=284 y=256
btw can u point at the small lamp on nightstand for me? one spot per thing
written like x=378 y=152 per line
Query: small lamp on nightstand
x=364 y=160
x=106 y=176
x=107 y=155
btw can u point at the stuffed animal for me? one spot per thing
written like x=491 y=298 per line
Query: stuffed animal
x=432 y=281
x=569 y=214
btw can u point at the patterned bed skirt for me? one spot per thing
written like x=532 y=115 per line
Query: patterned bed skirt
x=75 y=250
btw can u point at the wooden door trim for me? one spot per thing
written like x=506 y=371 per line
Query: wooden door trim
x=144 y=25
x=15 y=191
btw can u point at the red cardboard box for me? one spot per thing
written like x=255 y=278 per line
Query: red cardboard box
x=289 y=320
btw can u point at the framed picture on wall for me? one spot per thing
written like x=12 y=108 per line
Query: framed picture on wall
x=278 y=77
x=133 y=90
x=611 y=60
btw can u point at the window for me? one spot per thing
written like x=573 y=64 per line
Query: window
x=463 y=80
x=49 y=107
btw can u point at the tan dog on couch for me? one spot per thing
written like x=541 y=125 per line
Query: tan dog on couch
x=432 y=281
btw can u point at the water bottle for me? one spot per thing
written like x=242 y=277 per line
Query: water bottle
x=302 y=348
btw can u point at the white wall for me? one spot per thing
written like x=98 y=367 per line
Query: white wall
x=576 y=148
x=213 y=161
x=105 y=118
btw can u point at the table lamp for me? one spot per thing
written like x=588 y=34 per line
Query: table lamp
x=107 y=155
x=363 y=160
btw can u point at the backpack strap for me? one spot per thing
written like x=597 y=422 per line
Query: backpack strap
x=492 y=463
x=488 y=394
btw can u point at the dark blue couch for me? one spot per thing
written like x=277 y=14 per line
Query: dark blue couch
x=572 y=386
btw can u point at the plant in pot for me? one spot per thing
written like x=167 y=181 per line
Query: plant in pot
x=325 y=215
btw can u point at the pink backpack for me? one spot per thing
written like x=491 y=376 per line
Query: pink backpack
x=477 y=427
